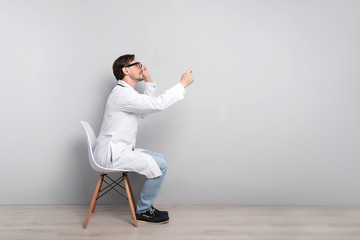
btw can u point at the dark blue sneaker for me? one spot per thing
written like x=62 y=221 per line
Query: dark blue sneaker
x=150 y=217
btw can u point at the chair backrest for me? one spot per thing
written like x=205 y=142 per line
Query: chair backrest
x=91 y=140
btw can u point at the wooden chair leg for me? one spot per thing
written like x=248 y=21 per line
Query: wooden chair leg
x=130 y=197
x=131 y=192
x=97 y=194
x=93 y=201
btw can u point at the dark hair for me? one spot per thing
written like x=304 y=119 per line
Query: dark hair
x=120 y=63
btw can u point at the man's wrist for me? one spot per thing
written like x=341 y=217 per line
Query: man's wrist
x=183 y=84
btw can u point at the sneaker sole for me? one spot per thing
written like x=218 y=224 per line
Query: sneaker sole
x=154 y=222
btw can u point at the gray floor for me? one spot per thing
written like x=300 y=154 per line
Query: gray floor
x=186 y=222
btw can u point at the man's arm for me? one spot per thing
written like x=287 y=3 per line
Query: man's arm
x=132 y=101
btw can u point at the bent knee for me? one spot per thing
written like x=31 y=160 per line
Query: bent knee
x=164 y=157
x=162 y=164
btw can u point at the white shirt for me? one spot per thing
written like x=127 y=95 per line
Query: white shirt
x=117 y=137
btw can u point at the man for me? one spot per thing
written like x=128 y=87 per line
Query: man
x=116 y=141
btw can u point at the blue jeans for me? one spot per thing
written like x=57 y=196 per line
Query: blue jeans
x=151 y=185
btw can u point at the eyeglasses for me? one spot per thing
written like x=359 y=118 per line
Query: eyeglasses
x=132 y=64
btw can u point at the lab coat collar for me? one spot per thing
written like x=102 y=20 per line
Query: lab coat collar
x=121 y=82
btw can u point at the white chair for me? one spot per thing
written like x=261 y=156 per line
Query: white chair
x=91 y=140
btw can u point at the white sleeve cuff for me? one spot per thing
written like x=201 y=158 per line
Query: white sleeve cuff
x=178 y=85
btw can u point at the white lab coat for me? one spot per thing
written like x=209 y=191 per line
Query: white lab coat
x=117 y=137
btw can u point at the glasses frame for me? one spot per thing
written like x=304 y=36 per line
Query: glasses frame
x=135 y=63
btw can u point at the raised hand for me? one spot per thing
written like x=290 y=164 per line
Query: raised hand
x=146 y=74
x=187 y=78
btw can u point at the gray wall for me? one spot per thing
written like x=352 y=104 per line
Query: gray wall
x=271 y=119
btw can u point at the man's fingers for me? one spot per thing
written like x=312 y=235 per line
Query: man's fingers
x=187 y=78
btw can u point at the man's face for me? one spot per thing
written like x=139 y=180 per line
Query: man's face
x=135 y=72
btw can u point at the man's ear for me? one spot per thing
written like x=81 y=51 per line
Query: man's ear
x=125 y=71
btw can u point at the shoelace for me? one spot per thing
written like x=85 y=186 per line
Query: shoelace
x=152 y=211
